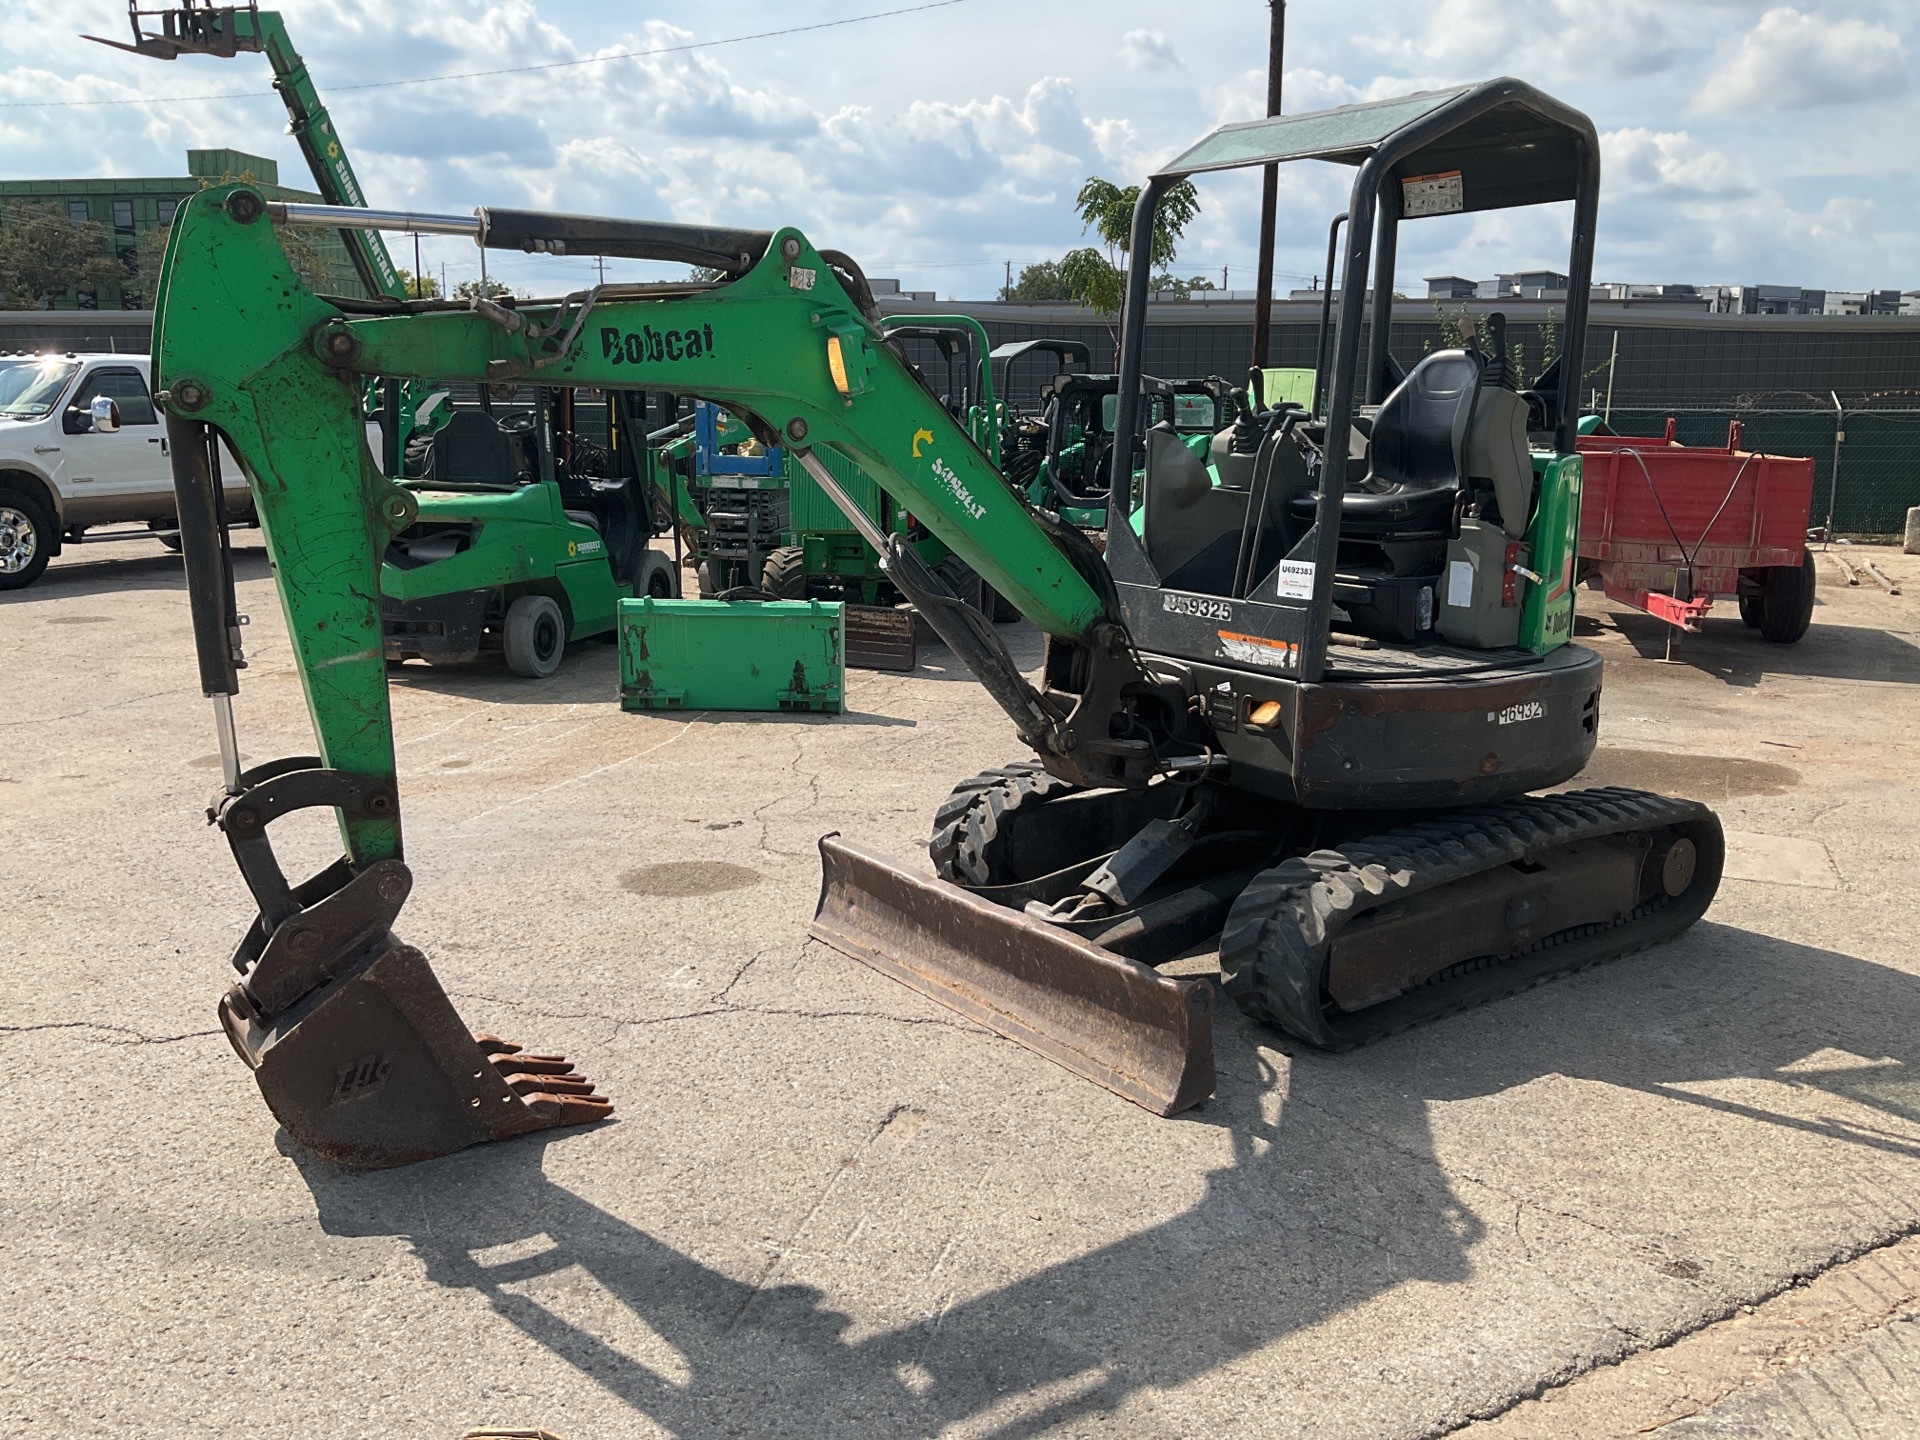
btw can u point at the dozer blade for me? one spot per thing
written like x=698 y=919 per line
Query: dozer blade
x=375 y=1068
x=1143 y=1035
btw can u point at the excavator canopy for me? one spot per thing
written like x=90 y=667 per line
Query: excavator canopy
x=1507 y=143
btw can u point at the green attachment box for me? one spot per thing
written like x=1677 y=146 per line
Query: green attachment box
x=732 y=655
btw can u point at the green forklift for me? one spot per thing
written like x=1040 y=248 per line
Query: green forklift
x=528 y=531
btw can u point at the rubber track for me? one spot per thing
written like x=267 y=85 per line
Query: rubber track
x=1275 y=947
x=969 y=821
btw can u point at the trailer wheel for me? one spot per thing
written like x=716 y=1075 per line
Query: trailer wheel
x=534 y=637
x=707 y=575
x=1750 y=610
x=785 y=573
x=1786 y=601
x=24 y=537
x=653 y=574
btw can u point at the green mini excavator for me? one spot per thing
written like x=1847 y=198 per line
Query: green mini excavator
x=1295 y=715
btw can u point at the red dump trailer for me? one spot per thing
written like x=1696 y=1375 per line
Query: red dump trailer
x=1669 y=528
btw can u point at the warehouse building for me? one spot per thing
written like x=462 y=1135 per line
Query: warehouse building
x=133 y=210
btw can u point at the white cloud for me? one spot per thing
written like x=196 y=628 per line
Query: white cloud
x=1477 y=39
x=1668 y=163
x=1793 y=61
x=1244 y=97
x=926 y=138
x=1148 y=50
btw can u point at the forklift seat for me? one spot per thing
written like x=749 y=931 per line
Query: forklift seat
x=1414 y=479
x=472 y=449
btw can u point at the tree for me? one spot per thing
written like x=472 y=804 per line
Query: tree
x=43 y=255
x=705 y=274
x=1039 y=282
x=418 y=287
x=305 y=254
x=486 y=289
x=1456 y=327
x=1098 y=280
x=1181 y=289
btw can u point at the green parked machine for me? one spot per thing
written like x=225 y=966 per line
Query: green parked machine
x=516 y=550
x=771 y=526
x=526 y=534
x=1211 y=762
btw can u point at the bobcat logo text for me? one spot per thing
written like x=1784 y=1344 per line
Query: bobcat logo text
x=638 y=347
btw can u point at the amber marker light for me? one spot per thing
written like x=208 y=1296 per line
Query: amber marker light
x=1265 y=715
x=837 y=366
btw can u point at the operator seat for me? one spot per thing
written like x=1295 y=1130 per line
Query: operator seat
x=472 y=449
x=1414 y=480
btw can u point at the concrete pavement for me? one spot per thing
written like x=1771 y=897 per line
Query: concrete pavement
x=830 y=1206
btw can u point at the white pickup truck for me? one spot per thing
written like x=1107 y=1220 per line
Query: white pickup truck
x=81 y=446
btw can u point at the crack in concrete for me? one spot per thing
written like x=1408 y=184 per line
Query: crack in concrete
x=1662 y=1339
x=97 y=709
x=130 y=1036
x=785 y=1247
x=623 y=1022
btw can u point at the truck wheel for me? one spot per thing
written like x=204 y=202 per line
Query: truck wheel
x=535 y=636
x=653 y=574
x=24 y=533
x=707 y=573
x=1786 y=601
x=167 y=532
x=785 y=573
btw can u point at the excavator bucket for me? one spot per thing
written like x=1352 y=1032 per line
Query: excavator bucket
x=355 y=1045
x=376 y=1068
x=1143 y=1035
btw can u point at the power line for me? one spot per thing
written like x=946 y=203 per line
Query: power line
x=508 y=70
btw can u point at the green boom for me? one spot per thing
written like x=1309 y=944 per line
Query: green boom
x=241 y=344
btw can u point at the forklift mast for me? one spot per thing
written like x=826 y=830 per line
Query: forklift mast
x=196 y=28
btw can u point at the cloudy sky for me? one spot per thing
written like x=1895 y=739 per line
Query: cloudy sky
x=1745 y=141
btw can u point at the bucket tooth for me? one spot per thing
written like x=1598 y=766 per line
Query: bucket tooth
x=375 y=1068
x=1145 y=1036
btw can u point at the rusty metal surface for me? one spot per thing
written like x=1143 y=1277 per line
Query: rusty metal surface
x=1145 y=1036
x=376 y=1068
x=880 y=637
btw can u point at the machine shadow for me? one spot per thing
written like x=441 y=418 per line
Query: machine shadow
x=1729 y=651
x=1333 y=1184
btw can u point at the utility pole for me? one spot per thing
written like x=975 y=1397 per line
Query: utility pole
x=1007 y=293
x=1269 y=189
